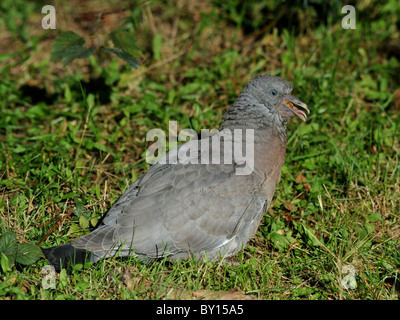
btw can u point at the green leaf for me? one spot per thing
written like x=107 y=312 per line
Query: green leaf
x=279 y=241
x=69 y=195
x=157 y=46
x=4 y=262
x=8 y=244
x=74 y=230
x=69 y=46
x=369 y=227
x=83 y=222
x=94 y=221
x=126 y=42
x=64 y=40
x=131 y=60
x=373 y=217
x=28 y=253
x=63 y=279
x=124 y=47
x=79 y=207
x=19 y=149
x=78 y=266
x=100 y=147
x=311 y=237
x=77 y=52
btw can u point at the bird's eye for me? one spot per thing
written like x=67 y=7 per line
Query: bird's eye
x=273 y=93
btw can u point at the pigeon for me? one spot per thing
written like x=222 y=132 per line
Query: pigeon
x=203 y=199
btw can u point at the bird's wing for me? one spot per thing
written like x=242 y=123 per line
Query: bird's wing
x=179 y=208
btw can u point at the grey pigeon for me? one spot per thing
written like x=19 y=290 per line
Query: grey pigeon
x=200 y=207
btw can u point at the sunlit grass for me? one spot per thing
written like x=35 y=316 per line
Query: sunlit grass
x=69 y=152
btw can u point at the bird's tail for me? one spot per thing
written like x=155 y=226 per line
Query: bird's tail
x=65 y=256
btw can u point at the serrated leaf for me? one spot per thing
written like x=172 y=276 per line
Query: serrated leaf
x=126 y=42
x=94 y=221
x=66 y=39
x=124 y=47
x=8 y=243
x=69 y=46
x=28 y=253
x=83 y=222
x=74 y=230
x=128 y=58
x=76 y=52
x=79 y=207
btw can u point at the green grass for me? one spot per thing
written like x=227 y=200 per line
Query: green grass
x=72 y=140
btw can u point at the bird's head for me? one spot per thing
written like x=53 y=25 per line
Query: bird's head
x=274 y=93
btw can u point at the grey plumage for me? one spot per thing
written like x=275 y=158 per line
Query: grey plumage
x=185 y=210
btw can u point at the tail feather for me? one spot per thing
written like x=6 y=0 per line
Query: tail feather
x=65 y=255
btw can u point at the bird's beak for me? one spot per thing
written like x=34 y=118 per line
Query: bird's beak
x=290 y=101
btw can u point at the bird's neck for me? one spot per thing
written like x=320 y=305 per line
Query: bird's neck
x=244 y=114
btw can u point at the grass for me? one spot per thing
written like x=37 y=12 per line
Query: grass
x=72 y=140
